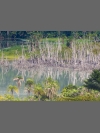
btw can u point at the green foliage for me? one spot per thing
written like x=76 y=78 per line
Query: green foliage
x=49 y=83
x=12 y=89
x=49 y=92
x=49 y=34
x=51 y=87
x=29 y=85
x=93 y=82
x=39 y=92
x=70 y=86
x=87 y=97
x=10 y=52
x=29 y=82
x=29 y=98
x=20 y=77
x=70 y=91
x=8 y=97
x=2 y=98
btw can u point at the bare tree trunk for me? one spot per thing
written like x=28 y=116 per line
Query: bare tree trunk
x=28 y=92
x=39 y=97
x=7 y=34
x=12 y=92
x=31 y=46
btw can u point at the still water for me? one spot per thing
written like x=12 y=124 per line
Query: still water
x=39 y=74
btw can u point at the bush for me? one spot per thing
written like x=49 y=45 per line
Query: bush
x=8 y=97
x=93 y=82
x=70 y=91
x=2 y=98
x=79 y=98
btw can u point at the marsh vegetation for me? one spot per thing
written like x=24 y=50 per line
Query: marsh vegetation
x=50 y=69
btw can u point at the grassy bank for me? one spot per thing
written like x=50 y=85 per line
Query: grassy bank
x=15 y=51
x=8 y=97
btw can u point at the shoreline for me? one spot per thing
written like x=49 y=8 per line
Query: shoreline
x=29 y=64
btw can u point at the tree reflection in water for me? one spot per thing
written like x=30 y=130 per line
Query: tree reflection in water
x=64 y=76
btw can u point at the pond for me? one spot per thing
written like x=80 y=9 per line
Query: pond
x=63 y=75
x=38 y=74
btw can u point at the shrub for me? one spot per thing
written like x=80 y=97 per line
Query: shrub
x=2 y=98
x=93 y=82
x=9 y=97
x=70 y=91
x=78 y=98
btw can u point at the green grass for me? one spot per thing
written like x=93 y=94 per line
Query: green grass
x=10 y=52
x=82 y=40
x=52 y=39
x=9 y=97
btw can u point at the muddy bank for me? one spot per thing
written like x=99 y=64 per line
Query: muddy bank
x=39 y=62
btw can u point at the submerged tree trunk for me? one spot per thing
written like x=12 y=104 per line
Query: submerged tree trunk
x=39 y=97
x=31 y=45
x=28 y=92
x=12 y=92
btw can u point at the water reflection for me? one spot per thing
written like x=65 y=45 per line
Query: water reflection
x=63 y=76
x=38 y=73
